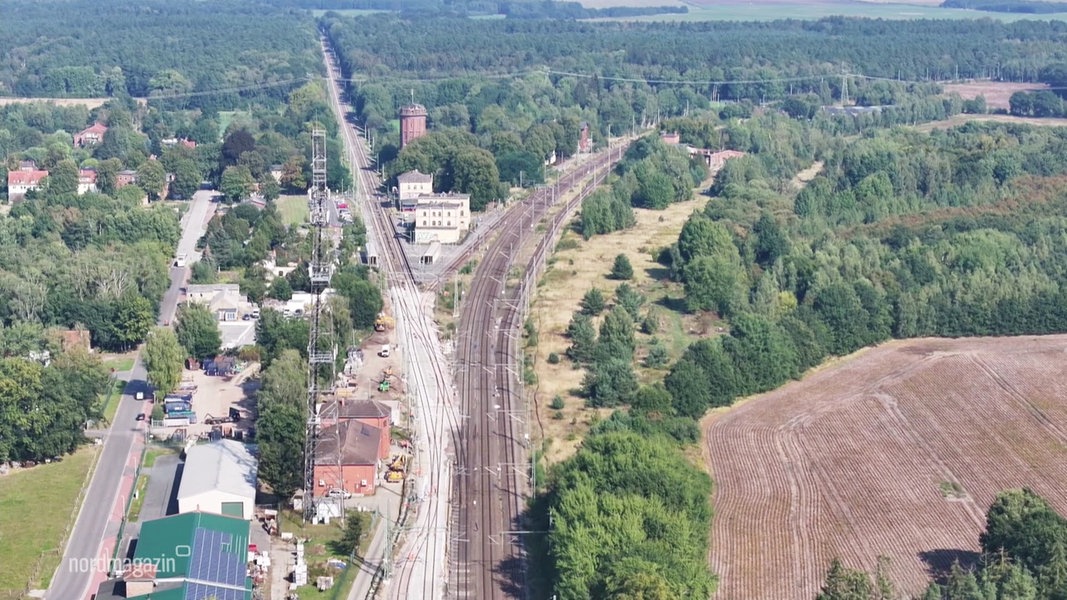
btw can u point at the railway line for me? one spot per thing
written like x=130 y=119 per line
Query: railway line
x=471 y=468
x=493 y=479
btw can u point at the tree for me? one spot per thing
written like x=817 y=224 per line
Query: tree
x=364 y=298
x=63 y=179
x=355 y=528
x=617 y=334
x=270 y=189
x=843 y=583
x=593 y=302
x=198 y=331
x=280 y=433
x=162 y=357
x=237 y=142
x=609 y=382
x=285 y=381
x=630 y=299
x=621 y=270
x=583 y=338
x=187 y=178
x=236 y=183
x=134 y=318
x=151 y=178
x=280 y=289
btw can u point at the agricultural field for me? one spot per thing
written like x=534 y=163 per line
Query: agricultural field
x=996 y=93
x=737 y=10
x=960 y=119
x=894 y=451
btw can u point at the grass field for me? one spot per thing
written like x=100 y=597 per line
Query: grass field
x=36 y=507
x=120 y=363
x=138 y=502
x=114 y=396
x=153 y=453
x=293 y=209
x=228 y=116
x=896 y=451
x=957 y=120
x=577 y=266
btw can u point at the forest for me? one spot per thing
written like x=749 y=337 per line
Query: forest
x=96 y=49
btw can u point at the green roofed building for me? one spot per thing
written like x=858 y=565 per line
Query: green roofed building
x=191 y=556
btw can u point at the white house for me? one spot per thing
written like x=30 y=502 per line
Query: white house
x=86 y=181
x=224 y=300
x=442 y=218
x=219 y=478
x=21 y=181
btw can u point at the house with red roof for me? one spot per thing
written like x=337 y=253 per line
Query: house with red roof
x=90 y=136
x=19 y=182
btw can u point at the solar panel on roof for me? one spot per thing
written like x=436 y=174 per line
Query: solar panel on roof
x=218 y=557
x=202 y=591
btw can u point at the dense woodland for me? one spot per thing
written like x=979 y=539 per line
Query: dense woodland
x=92 y=49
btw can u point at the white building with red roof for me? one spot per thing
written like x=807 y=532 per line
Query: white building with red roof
x=90 y=136
x=21 y=181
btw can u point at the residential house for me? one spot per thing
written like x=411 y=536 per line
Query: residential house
x=86 y=181
x=672 y=138
x=90 y=136
x=276 y=172
x=442 y=218
x=28 y=165
x=125 y=178
x=20 y=182
x=191 y=555
x=224 y=300
x=410 y=186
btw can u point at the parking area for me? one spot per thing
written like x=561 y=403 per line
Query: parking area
x=212 y=398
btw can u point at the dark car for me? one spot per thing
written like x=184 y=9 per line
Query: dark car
x=140 y=416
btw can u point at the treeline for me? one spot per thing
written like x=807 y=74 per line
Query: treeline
x=91 y=49
x=575 y=10
x=628 y=517
x=44 y=409
x=1023 y=557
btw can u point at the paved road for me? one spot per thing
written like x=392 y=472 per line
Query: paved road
x=86 y=559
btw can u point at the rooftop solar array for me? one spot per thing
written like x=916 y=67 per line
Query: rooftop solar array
x=203 y=591
x=218 y=557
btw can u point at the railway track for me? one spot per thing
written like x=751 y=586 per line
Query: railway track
x=493 y=481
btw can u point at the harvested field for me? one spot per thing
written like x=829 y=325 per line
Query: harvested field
x=957 y=120
x=996 y=93
x=896 y=451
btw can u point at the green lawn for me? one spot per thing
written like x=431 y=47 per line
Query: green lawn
x=226 y=117
x=293 y=209
x=153 y=453
x=114 y=396
x=36 y=508
x=119 y=363
x=138 y=502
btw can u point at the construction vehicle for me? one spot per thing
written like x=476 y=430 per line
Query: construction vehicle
x=383 y=322
x=394 y=476
x=383 y=386
x=398 y=463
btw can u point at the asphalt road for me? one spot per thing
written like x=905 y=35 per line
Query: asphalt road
x=98 y=521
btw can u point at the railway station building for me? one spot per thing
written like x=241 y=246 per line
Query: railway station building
x=442 y=218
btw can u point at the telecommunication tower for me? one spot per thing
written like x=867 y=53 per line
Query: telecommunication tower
x=322 y=347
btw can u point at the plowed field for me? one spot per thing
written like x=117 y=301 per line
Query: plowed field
x=897 y=451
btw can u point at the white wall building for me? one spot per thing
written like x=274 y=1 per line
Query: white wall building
x=413 y=184
x=442 y=218
x=224 y=300
x=220 y=478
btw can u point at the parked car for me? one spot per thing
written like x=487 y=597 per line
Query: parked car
x=338 y=493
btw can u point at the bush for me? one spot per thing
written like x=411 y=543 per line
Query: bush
x=622 y=269
x=553 y=358
x=557 y=403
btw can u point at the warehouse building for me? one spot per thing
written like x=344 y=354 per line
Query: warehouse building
x=219 y=478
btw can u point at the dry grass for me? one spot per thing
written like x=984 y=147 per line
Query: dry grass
x=636 y=3
x=91 y=103
x=958 y=120
x=897 y=451
x=572 y=273
x=802 y=178
x=996 y=93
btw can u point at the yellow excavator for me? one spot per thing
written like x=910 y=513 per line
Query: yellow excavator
x=383 y=322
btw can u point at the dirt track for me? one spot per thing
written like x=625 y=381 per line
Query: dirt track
x=897 y=451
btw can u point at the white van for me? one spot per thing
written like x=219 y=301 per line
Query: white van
x=384 y=352
x=180 y=260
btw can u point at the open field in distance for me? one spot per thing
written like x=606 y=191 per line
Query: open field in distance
x=895 y=451
x=736 y=10
x=957 y=120
x=996 y=93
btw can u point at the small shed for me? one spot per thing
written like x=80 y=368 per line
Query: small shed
x=431 y=255
x=370 y=255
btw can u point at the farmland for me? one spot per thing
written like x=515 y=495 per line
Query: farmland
x=996 y=93
x=896 y=451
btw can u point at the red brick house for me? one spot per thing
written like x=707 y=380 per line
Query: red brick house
x=369 y=412
x=124 y=178
x=351 y=465
x=90 y=136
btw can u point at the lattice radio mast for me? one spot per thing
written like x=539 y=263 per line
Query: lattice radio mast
x=322 y=347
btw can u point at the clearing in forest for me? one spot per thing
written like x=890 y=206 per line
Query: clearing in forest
x=957 y=120
x=896 y=451
x=996 y=93
x=577 y=266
